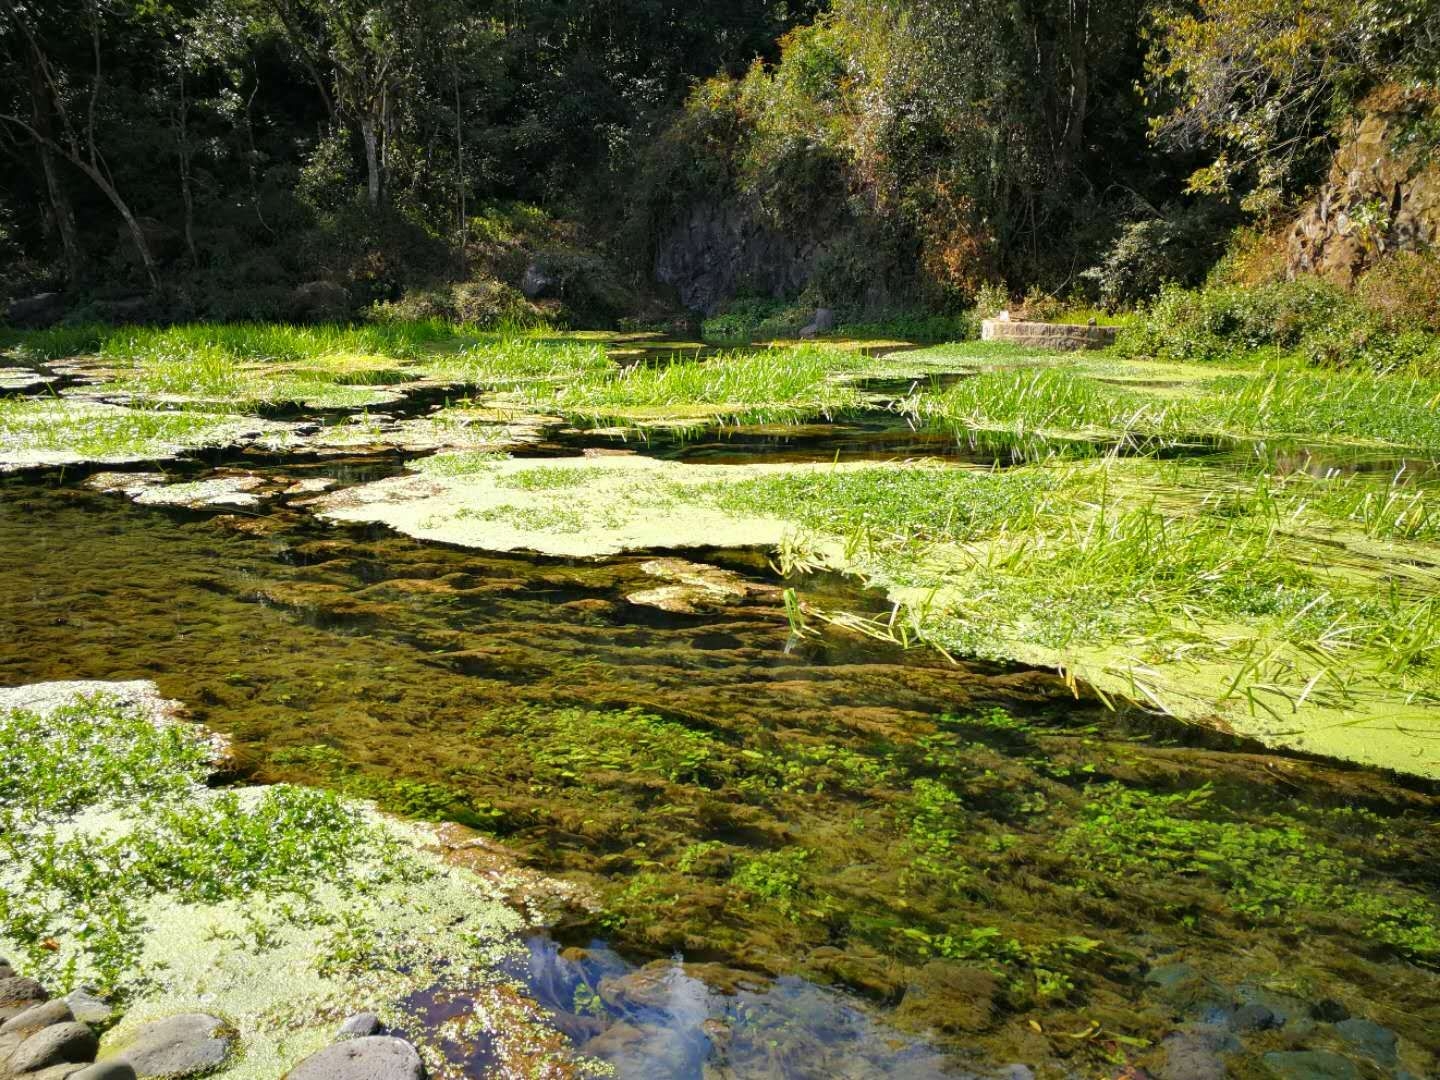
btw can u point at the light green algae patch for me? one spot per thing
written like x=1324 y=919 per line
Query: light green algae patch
x=61 y=431
x=280 y=910
x=589 y=506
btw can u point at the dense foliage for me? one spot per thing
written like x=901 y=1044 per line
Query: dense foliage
x=873 y=155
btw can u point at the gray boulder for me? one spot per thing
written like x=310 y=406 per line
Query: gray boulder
x=90 y=1009
x=59 y=1044
x=37 y=1017
x=360 y=1025
x=372 y=1058
x=539 y=283
x=823 y=323
x=320 y=301
x=17 y=994
x=191 y=1044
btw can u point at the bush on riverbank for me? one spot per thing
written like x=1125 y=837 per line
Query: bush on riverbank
x=1388 y=323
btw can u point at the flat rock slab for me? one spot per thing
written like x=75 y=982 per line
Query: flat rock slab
x=377 y=1057
x=45 y=698
x=191 y=1044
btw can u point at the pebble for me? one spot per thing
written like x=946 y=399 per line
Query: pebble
x=191 y=1044
x=1311 y=1065
x=360 y=1025
x=374 y=1057
x=37 y=1017
x=1369 y=1038
x=58 y=1044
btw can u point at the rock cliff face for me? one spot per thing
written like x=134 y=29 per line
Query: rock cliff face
x=722 y=249
x=1377 y=199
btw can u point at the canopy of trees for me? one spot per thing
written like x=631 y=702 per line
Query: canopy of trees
x=214 y=146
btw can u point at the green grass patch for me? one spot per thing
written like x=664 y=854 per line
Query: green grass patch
x=770 y=385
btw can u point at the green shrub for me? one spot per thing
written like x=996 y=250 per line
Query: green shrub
x=1307 y=318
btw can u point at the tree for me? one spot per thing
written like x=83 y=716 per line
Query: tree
x=55 y=95
x=1264 y=82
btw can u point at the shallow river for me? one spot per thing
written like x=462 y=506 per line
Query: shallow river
x=871 y=861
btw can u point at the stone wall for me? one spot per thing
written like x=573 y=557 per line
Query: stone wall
x=1041 y=335
x=1376 y=200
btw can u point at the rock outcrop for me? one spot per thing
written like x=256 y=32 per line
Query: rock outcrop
x=1378 y=199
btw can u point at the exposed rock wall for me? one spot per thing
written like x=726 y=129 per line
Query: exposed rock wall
x=1377 y=200
x=722 y=249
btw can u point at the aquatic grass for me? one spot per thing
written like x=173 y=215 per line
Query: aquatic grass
x=1043 y=399
x=1267 y=870
x=275 y=342
x=769 y=385
x=916 y=502
x=53 y=343
x=1113 y=566
x=510 y=359
x=1403 y=411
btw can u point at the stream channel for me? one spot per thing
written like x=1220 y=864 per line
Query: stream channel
x=816 y=854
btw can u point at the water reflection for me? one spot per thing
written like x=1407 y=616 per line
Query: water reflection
x=660 y=1021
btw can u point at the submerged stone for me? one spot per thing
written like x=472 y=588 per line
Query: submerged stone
x=1369 y=1038
x=947 y=997
x=1311 y=1065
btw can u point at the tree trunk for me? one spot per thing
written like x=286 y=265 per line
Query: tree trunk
x=372 y=159
x=59 y=199
x=187 y=195
x=1079 y=105
x=99 y=179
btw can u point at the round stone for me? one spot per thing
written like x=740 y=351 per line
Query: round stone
x=105 y=1070
x=372 y=1058
x=191 y=1044
x=58 y=1044
x=37 y=1017
x=360 y=1025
